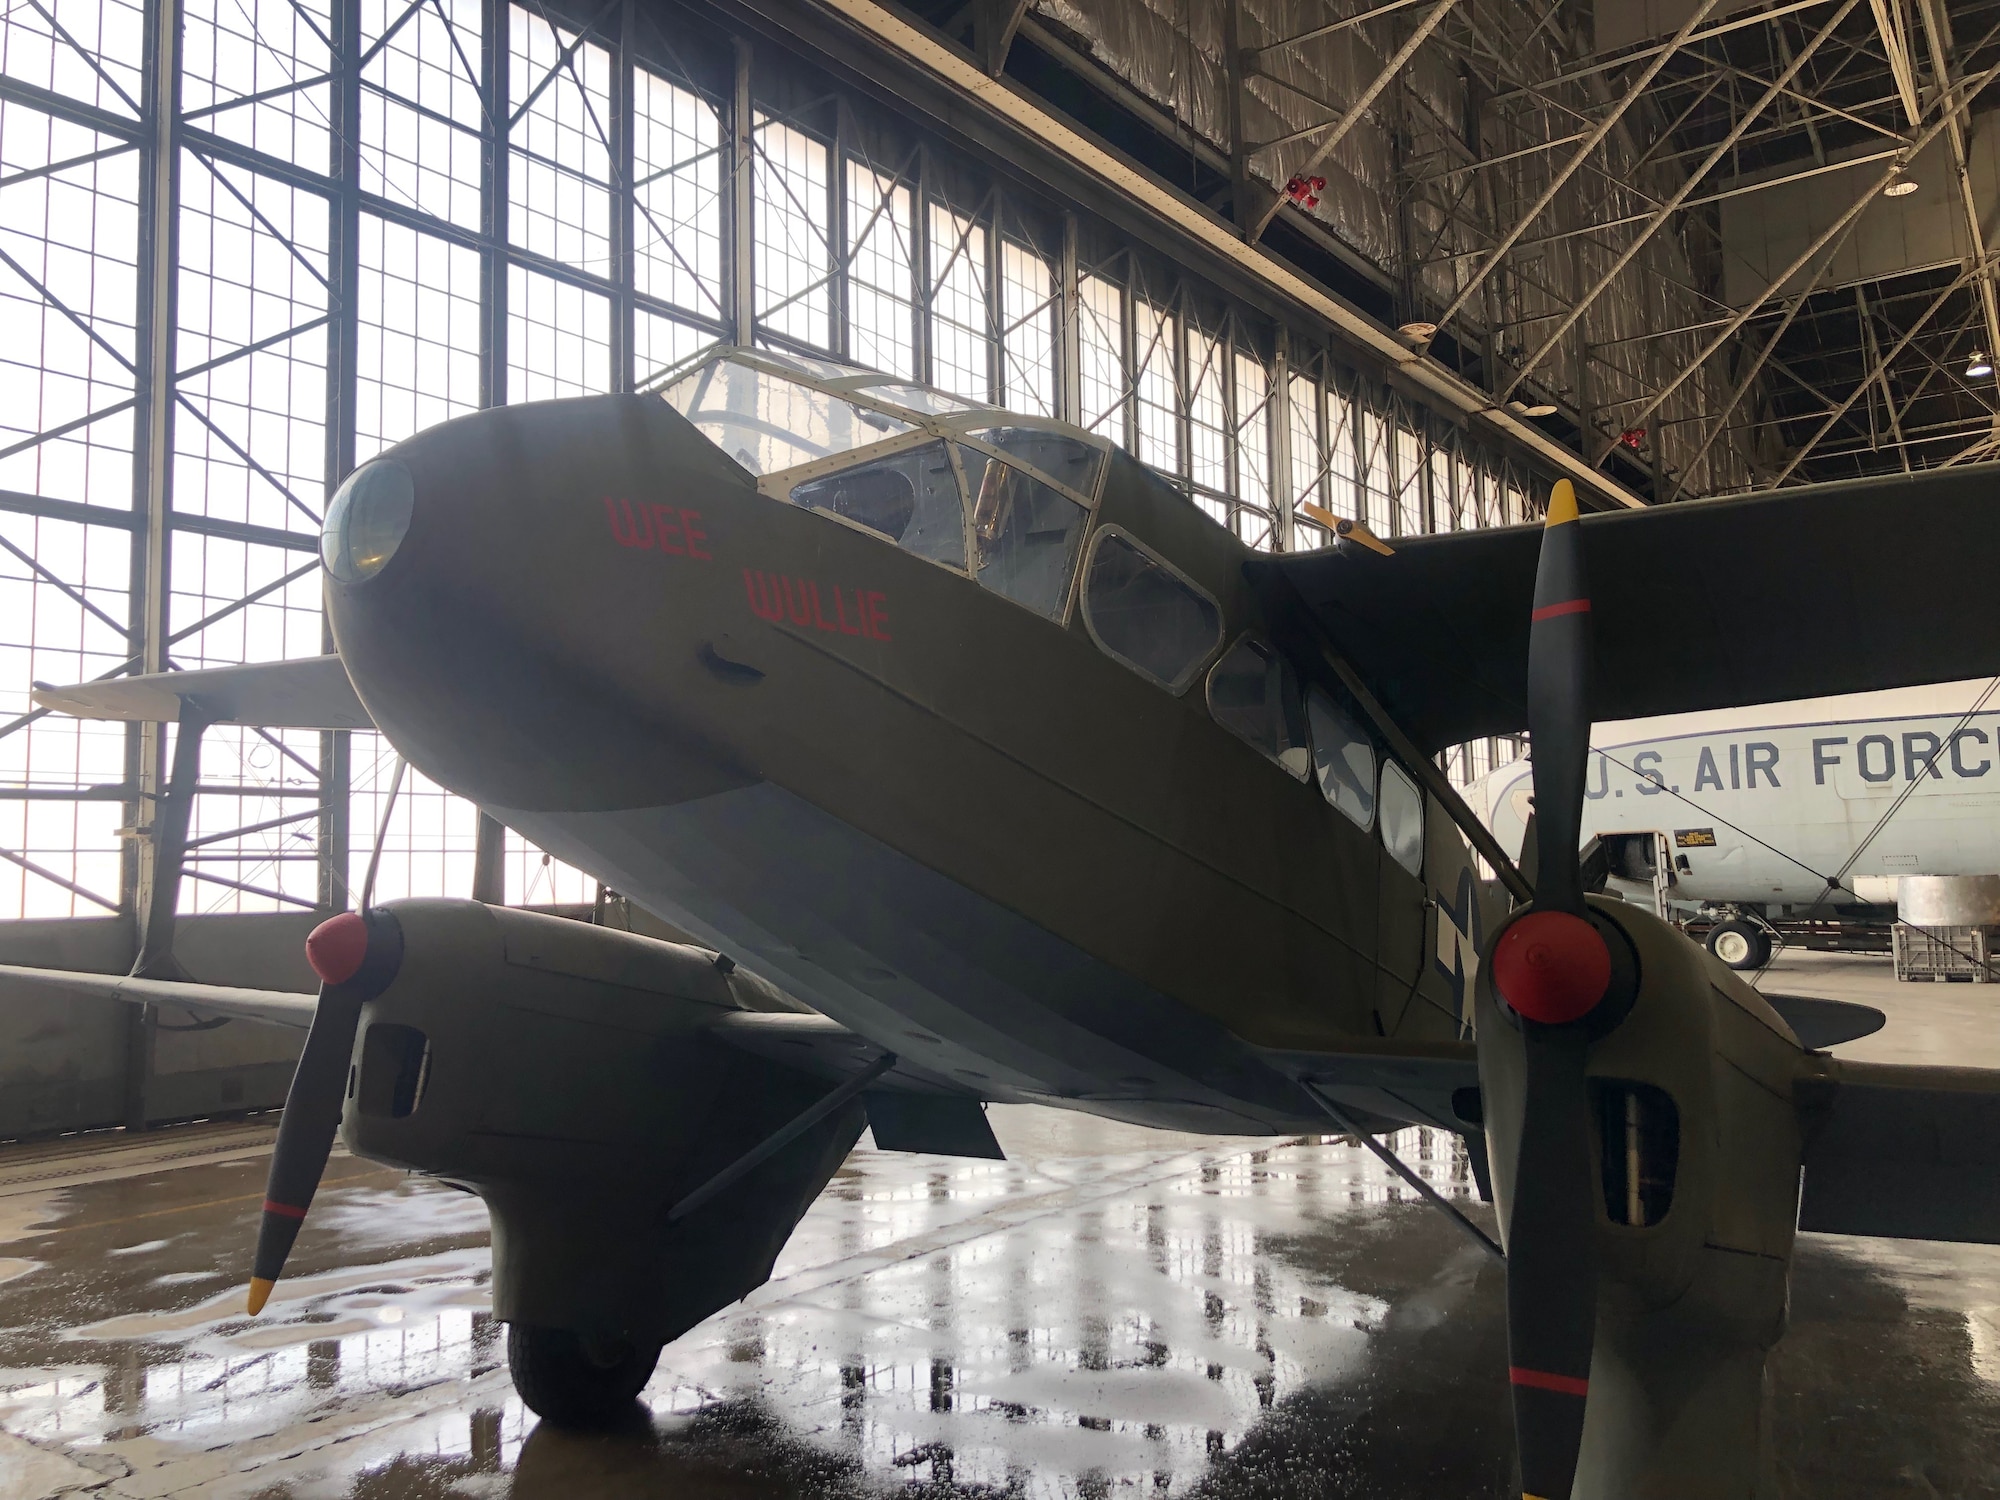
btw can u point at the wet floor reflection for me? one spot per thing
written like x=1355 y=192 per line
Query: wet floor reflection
x=1108 y=1312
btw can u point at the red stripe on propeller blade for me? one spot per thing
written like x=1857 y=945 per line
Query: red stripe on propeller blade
x=272 y=1206
x=1542 y=1380
x=1567 y=607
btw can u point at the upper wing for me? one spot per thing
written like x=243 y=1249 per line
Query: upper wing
x=309 y=693
x=281 y=1006
x=1798 y=593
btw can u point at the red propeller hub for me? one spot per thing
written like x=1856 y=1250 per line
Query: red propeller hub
x=1551 y=967
x=338 y=947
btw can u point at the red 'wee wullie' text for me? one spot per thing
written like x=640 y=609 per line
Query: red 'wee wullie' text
x=840 y=611
x=668 y=529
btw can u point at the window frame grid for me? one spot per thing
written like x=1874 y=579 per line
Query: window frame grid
x=1462 y=483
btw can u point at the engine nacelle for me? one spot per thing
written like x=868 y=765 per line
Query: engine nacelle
x=563 y=1072
x=1697 y=1152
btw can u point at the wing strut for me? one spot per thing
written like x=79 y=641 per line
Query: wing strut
x=782 y=1137
x=1403 y=1170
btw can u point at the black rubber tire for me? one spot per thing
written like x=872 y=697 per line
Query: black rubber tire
x=562 y=1383
x=1741 y=945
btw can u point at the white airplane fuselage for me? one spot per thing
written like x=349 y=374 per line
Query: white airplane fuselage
x=1760 y=805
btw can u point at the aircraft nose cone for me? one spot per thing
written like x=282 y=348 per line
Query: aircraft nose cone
x=338 y=947
x=476 y=594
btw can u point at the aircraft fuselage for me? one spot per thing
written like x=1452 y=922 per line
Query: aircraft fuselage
x=945 y=819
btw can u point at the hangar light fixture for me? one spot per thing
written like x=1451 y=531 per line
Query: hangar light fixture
x=1902 y=187
x=1978 y=367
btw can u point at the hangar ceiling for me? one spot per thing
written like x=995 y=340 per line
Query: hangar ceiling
x=1683 y=223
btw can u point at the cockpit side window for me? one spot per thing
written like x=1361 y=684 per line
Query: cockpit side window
x=1343 y=758
x=1254 y=694
x=1065 y=459
x=909 y=497
x=1402 y=818
x=1145 y=614
x=1025 y=533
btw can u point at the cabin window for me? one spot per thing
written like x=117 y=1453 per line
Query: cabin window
x=1025 y=533
x=1057 y=455
x=1343 y=758
x=1254 y=694
x=1402 y=818
x=1145 y=614
x=910 y=497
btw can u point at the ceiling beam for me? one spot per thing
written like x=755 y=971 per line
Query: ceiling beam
x=1604 y=128
x=1937 y=29
x=1665 y=211
x=1838 y=230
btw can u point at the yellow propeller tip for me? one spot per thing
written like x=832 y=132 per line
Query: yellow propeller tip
x=1368 y=539
x=260 y=1293
x=1562 y=503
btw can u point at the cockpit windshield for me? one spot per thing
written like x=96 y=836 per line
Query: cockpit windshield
x=767 y=422
x=1005 y=499
x=910 y=497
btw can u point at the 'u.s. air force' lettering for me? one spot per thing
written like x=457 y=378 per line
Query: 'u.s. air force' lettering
x=1459 y=937
x=1962 y=753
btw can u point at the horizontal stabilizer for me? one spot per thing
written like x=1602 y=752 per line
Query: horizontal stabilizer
x=281 y=1006
x=936 y=1124
x=1907 y=1152
x=1819 y=1024
x=311 y=692
x=1439 y=630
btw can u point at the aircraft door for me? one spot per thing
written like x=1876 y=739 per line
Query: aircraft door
x=1640 y=865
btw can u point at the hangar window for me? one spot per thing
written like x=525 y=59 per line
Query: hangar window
x=1402 y=808
x=1028 y=337
x=1145 y=614
x=1343 y=758
x=911 y=498
x=1025 y=533
x=1254 y=694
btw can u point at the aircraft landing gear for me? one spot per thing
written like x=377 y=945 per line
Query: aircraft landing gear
x=572 y=1383
x=1740 y=944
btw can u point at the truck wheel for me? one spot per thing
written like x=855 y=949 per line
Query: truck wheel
x=570 y=1384
x=1740 y=944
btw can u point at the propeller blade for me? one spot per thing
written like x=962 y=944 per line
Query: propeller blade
x=1551 y=1271
x=355 y=957
x=1552 y=967
x=1346 y=530
x=1559 y=653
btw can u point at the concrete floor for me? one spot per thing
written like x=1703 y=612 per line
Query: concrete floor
x=1111 y=1311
